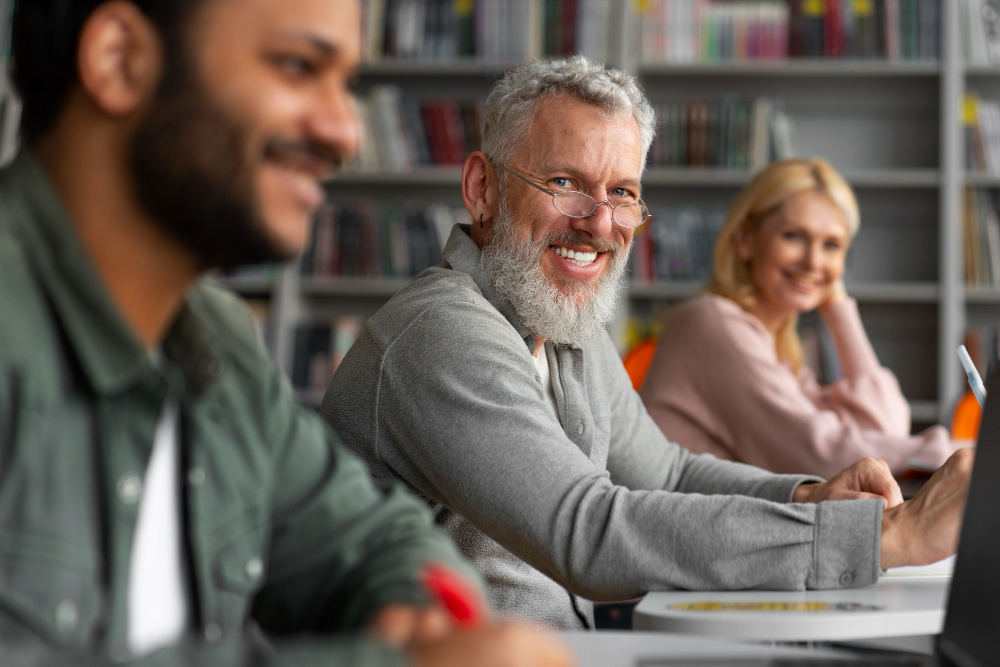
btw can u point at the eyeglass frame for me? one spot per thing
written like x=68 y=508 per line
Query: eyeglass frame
x=597 y=204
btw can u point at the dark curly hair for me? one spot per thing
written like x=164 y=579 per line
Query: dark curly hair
x=45 y=37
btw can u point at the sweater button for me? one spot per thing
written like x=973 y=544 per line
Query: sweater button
x=196 y=476
x=213 y=632
x=67 y=616
x=254 y=568
x=581 y=429
x=129 y=488
x=846 y=579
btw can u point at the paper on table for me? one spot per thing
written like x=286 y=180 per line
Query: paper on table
x=940 y=570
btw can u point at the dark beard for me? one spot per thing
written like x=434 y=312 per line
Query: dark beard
x=193 y=175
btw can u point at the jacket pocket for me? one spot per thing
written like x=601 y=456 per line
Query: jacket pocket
x=239 y=570
x=50 y=589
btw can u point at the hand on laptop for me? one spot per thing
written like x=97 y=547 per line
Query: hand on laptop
x=925 y=528
x=868 y=478
x=505 y=644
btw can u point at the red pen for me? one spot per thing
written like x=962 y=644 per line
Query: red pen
x=455 y=594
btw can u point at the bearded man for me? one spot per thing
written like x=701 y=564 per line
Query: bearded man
x=490 y=386
x=162 y=496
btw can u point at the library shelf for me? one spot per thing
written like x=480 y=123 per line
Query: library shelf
x=797 y=67
x=655 y=176
x=436 y=175
x=352 y=287
x=457 y=68
x=982 y=296
x=982 y=180
x=982 y=70
x=869 y=178
x=881 y=292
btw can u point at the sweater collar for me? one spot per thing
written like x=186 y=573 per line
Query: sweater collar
x=462 y=254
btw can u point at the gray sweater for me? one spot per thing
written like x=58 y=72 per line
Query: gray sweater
x=594 y=503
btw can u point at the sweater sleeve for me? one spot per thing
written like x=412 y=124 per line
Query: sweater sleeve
x=867 y=394
x=462 y=418
x=716 y=372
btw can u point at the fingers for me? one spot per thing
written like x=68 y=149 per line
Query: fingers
x=394 y=624
x=503 y=645
x=875 y=477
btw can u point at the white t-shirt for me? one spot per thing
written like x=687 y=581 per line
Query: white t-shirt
x=542 y=364
x=157 y=604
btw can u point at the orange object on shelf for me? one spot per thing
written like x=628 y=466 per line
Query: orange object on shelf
x=965 y=420
x=637 y=361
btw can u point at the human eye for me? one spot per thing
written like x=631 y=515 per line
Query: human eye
x=833 y=246
x=294 y=65
x=623 y=194
x=561 y=182
x=791 y=235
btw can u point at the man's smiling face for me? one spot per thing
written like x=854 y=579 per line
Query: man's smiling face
x=571 y=146
x=252 y=115
x=562 y=273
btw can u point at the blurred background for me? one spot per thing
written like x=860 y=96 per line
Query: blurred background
x=902 y=96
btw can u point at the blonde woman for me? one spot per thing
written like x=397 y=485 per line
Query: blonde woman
x=727 y=377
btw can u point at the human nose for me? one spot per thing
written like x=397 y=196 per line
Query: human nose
x=598 y=223
x=335 y=124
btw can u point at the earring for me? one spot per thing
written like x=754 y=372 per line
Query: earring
x=480 y=220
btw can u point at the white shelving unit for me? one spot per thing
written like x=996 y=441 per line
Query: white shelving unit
x=892 y=128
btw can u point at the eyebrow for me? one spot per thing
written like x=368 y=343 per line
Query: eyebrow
x=327 y=48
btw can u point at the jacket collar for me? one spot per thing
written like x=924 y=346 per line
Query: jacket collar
x=463 y=255
x=110 y=354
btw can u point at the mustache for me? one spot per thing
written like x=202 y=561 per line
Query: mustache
x=310 y=156
x=570 y=238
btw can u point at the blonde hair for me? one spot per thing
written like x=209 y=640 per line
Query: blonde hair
x=764 y=195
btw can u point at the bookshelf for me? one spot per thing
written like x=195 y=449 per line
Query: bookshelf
x=891 y=126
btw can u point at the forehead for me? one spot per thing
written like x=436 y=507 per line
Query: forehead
x=815 y=211
x=567 y=130
x=224 y=25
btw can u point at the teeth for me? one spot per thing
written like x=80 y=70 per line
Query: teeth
x=578 y=257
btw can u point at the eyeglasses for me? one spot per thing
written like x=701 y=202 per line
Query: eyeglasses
x=581 y=205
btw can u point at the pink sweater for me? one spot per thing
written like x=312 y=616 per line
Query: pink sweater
x=716 y=385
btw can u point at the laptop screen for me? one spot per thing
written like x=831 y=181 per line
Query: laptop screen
x=974 y=603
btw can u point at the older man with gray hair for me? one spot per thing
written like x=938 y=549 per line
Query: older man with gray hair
x=490 y=387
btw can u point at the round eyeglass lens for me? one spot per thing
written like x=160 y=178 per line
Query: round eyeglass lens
x=629 y=215
x=574 y=204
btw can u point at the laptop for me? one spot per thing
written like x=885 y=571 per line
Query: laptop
x=973 y=612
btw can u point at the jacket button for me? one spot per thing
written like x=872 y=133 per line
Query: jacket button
x=581 y=429
x=129 y=488
x=196 y=476
x=213 y=632
x=67 y=616
x=254 y=568
x=846 y=579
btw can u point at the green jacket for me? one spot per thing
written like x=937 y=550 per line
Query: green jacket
x=284 y=530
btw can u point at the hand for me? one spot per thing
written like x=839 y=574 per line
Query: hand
x=502 y=645
x=402 y=625
x=868 y=478
x=925 y=528
x=837 y=294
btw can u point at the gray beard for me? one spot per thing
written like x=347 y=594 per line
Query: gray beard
x=564 y=315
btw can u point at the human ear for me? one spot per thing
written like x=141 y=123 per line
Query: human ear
x=743 y=240
x=119 y=58
x=479 y=192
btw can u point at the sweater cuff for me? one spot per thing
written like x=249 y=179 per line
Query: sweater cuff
x=847 y=544
x=781 y=488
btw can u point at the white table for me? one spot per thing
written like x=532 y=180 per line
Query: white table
x=895 y=607
x=623 y=649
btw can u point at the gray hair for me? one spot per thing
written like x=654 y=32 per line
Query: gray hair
x=511 y=104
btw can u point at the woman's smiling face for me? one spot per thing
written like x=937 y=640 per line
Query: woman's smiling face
x=797 y=253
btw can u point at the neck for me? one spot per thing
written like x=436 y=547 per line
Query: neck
x=539 y=343
x=772 y=318
x=146 y=273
